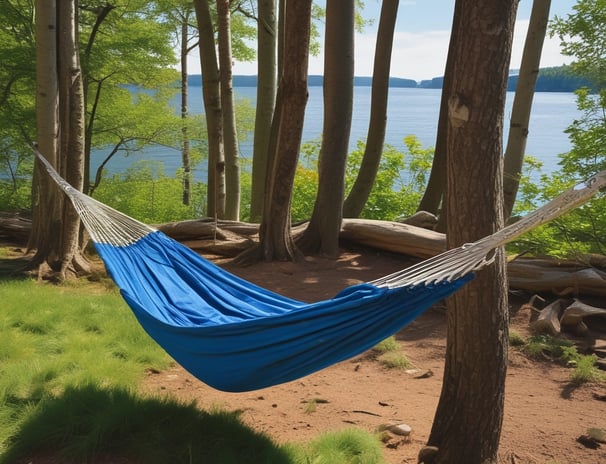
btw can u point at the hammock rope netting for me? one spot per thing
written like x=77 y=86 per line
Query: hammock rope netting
x=236 y=336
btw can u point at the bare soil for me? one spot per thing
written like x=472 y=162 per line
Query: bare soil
x=545 y=414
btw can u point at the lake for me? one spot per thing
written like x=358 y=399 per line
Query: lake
x=411 y=111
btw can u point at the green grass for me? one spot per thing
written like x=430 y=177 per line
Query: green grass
x=391 y=355
x=562 y=351
x=348 y=446
x=71 y=359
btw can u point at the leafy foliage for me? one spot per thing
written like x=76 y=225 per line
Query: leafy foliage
x=145 y=192
x=582 y=230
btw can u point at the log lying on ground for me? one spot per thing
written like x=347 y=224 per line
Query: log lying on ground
x=565 y=315
x=196 y=229
x=394 y=236
x=548 y=321
x=14 y=227
x=578 y=310
x=564 y=278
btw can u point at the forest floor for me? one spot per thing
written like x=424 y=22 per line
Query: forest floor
x=545 y=414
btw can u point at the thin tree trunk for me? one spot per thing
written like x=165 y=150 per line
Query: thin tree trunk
x=360 y=191
x=322 y=232
x=469 y=416
x=73 y=121
x=522 y=103
x=185 y=158
x=267 y=84
x=211 y=94
x=436 y=184
x=230 y=135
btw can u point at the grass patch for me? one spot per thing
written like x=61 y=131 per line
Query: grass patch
x=84 y=422
x=389 y=344
x=391 y=355
x=545 y=347
x=52 y=338
x=70 y=361
x=515 y=339
x=348 y=446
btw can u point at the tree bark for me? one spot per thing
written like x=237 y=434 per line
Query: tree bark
x=322 y=233
x=230 y=135
x=522 y=103
x=467 y=425
x=360 y=191
x=267 y=85
x=46 y=198
x=56 y=224
x=211 y=94
x=287 y=128
x=185 y=156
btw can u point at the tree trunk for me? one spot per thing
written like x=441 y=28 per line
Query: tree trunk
x=287 y=128
x=267 y=84
x=468 y=420
x=322 y=233
x=522 y=103
x=360 y=191
x=436 y=184
x=185 y=157
x=230 y=135
x=46 y=198
x=57 y=229
x=211 y=94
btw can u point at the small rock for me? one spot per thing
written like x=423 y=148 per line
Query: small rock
x=597 y=434
x=402 y=430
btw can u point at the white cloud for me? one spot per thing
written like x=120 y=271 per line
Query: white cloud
x=418 y=56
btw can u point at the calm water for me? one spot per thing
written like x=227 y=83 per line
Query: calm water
x=410 y=111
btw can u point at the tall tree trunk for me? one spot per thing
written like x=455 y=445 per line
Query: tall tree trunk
x=185 y=157
x=87 y=80
x=57 y=231
x=211 y=94
x=230 y=135
x=322 y=232
x=267 y=84
x=276 y=241
x=468 y=420
x=522 y=103
x=436 y=184
x=360 y=191
x=46 y=198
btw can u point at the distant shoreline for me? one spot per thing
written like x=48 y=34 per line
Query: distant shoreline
x=558 y=79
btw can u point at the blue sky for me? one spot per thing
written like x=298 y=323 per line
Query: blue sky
x=421 y=39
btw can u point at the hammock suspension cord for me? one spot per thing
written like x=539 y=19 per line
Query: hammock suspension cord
x=109 y=226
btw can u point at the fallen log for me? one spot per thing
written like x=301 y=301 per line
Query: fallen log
x=196 y=229
x=548 y=320
x=394 y=236
x=14 y=227
x=575 y=313
x=555 y=276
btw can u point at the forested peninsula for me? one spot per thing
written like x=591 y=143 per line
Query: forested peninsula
x=554 y=79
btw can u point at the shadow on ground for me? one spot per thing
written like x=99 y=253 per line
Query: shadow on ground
x=101 y=425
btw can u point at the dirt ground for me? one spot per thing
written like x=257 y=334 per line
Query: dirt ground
x=544 y=414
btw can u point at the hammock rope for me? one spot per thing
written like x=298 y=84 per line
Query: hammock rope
x=236 y=336
x=109 y=226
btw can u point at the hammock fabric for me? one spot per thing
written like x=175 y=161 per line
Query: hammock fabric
x=236 y=336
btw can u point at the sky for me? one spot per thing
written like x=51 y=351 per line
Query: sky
x=421 y=40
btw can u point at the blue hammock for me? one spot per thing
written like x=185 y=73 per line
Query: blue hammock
x=236 y=336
